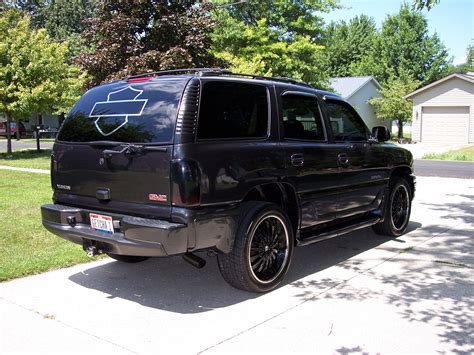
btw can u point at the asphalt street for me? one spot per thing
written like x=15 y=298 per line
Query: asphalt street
x=443 y=168
x=17 y=145
x=358 y=293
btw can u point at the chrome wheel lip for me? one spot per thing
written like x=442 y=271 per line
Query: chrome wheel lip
x=405 y=207
x=287 y=250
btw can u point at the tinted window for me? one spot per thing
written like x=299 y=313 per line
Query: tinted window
x=125 y=112
x=302 y=118
x=345 y=124
x=233 y=110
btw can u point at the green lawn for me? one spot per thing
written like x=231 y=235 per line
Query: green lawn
x=29 y=158
x=25 y=246
x=462 y=154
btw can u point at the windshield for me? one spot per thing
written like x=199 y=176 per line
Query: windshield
x=125 y=112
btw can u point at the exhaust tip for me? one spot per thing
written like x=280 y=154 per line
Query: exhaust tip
x=194 y=260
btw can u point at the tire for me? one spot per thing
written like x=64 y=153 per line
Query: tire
x=397 y=211
x=262 y=249
x=128 y=258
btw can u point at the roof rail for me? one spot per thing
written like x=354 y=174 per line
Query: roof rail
x=218 y=72
x=200 y=71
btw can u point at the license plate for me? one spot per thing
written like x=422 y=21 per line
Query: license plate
x=101 y=223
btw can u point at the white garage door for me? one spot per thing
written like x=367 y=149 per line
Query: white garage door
x=446 y=125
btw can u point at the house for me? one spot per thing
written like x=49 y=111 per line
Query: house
x=358 y=90
x=46 y=120
x=443 y=111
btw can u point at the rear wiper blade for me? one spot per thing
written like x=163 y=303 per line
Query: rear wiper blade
x=130 y=149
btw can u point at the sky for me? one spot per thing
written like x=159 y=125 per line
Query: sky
x=452 y=20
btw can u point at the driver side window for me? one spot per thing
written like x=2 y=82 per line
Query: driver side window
x=345 y=125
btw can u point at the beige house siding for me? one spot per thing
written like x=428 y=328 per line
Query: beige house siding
x=359 y=101
x=454 y=92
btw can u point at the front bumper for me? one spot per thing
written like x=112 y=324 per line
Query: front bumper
x=132 y=235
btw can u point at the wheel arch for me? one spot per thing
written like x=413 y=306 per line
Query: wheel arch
x=407 y=173
x=281 y=194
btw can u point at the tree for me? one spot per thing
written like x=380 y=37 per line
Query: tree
x=279 y=38
x=392 y=105
x=129 y=37
x=421 y=4
x=65 y=20
x=34 y=74
x=468 y=65
x=347 y=42
x=289 y=18
x=405 y=46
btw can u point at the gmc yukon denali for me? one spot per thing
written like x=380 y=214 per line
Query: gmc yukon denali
x=243 y=166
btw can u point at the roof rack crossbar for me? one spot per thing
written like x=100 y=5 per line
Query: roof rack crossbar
x=218 y=71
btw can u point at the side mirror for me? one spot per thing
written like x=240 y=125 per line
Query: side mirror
x=381 y=133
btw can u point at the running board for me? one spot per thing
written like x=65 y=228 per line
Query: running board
x=318 y=236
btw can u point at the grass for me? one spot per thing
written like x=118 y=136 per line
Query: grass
x=29 y=158
x=25 y=246
x=462 y=154
x=406 y=136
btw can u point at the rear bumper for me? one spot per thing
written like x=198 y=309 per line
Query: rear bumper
x=132 y=235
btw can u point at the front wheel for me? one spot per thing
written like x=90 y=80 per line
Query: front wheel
x=397 y=210
x=262 y=249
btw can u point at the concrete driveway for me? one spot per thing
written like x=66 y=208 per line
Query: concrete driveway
x=356 y=293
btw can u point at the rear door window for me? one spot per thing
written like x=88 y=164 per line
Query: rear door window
x=126 y=112
x=302 y=118
x=233 y=110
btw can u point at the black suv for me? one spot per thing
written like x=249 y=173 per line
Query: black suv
x=244 y=166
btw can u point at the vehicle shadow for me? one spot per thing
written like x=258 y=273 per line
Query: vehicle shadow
x=430 y=283
x=173 y=285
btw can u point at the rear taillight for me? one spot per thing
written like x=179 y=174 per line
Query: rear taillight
x=186 y=183
x=54 y=164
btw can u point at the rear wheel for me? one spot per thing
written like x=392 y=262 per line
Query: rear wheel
x=397 y=211
x=128 y=258
x=262 y=249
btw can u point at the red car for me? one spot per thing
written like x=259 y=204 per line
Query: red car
x=3 y=128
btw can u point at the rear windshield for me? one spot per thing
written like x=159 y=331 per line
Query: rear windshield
x=125 y=112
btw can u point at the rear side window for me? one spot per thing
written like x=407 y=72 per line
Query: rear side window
x=233 y=110
x=125 y=112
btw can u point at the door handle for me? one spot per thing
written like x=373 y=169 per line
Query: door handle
x=297 y=160
x=343 y=159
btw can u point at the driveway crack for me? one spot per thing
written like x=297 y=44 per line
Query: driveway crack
x=54 y=319
x=313 y=297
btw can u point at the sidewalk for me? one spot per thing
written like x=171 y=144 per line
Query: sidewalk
x=27 y=170
x=354 y=293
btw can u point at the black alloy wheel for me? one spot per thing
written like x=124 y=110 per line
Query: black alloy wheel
x=397 y=209
x=262 y=248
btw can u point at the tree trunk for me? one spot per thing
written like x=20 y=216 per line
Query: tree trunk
x=9 y=136
x=18 y=133
x=400 y=128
